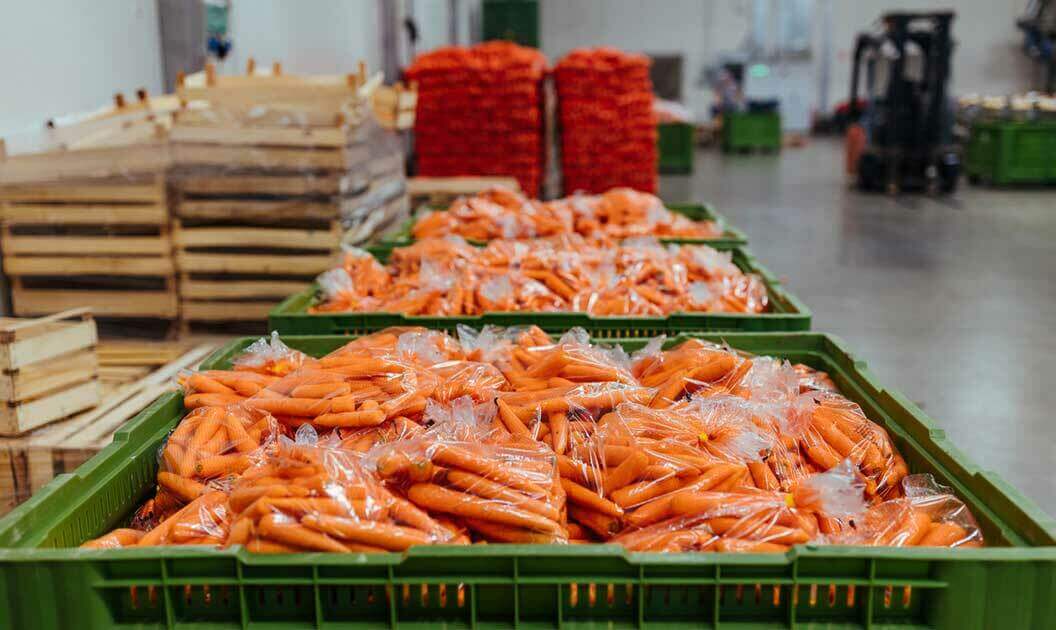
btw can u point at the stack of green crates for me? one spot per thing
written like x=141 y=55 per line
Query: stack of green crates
x=1012 y=152
x=46 y=582
x=674 y=144
x=744 y=131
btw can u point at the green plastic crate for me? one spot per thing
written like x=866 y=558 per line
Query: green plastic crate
x=751 y=130
x=513 y=20
x=45 y=584
x=291 y=316
x=731 y=236
x=675 y=143
x=1012 y=152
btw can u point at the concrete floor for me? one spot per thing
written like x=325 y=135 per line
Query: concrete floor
x=951 y=301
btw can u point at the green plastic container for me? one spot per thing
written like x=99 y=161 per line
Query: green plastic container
x=46 y=584
x=1011 y=152
x=513 y=20
x=675 y=143
x=742 y=131
x=697 y=211
x=291 y=316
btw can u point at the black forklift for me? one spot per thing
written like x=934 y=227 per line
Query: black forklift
x=907 y=118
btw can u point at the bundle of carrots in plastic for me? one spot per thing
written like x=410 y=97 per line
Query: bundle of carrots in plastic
x=480 y=112
x=444 y=276
x=617 y=213
x=608 y=125
x=413 y=437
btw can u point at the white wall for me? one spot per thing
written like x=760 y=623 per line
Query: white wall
x=314 y=37
x=987 y=58
x=59 y=57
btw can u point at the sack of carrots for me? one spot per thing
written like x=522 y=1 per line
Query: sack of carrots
x=412 y=436
x=617 y=213
x=568 y=273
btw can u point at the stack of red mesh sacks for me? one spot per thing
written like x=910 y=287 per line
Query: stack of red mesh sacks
x=608 y=127
x=480 y=112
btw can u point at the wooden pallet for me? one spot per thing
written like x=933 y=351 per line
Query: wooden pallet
x=444 y=190
x=29 y=462
x=237 y=260
x=48 y=369
x=104 y=244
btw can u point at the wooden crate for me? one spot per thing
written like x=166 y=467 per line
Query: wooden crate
x=48 y=369
x=239 y=257
x=104 y=244
x=29 y=462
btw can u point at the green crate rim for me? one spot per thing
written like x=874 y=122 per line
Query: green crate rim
x=291 y=317
x=731 y=236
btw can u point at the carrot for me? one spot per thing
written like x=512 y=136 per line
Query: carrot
x=638 y=493
x=603 y=525
x=376 y=534
x=297 y=535
x=457 y=457
x=303 y=407
x=506 y=534
x=943 y=535
x=328 y=390
x=434 y=497
x=510 y=419
x=238 y=434
x=487 y=489
x=202 y=384
x=368 y=418
x=234 y=463
x=559 y=432
x=762 y=476
x=121 y=537
x=186 y=489
x=589 y=499
x=195 y=401
x=626 y=472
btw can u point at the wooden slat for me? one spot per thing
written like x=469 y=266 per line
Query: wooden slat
x=109 y=162
x=226 y=311
x=103 y=245
x=132 y=303
x=328 y=240
x=455 y=186
x=58 y=339
x=88 y=265
x=79 y=214
x=84 y=193
x=30 y=415
x=253 y=263
x=209 y=289
x=251 y=135
x=226 y=156
x=34 y=380
x=271 y=211
x=243 y=184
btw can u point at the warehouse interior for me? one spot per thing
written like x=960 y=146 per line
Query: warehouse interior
x=215 y=212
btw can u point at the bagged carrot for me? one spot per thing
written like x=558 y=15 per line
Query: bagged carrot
x=502 y=487
x=271 y=356
x=213 y=443
x=309 y=497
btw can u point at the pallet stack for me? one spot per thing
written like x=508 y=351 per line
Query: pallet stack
x=259 y=178
x=103 y=243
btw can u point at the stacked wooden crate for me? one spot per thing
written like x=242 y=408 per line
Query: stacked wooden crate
x=48 y=369
x=258 y=178
x=103 y=243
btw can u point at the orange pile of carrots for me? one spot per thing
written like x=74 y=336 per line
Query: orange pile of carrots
x=445 y=276
x=412 y=437
x=618 y=213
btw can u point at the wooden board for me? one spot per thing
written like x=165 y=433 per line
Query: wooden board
x=455 y=186
x=270 y=158
x=327 y=240
x=193 y=262
x=132 y=303
x=87 y=192
x=17 y=418
x=89 y=265
x=24 y=342
x=293 y=136
x=226 y=311
x=37 y=379
x=88 y=163
x=102 y=245
x=83 y=214
x=194 y=289
x=257 y=210
x=278 y=185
